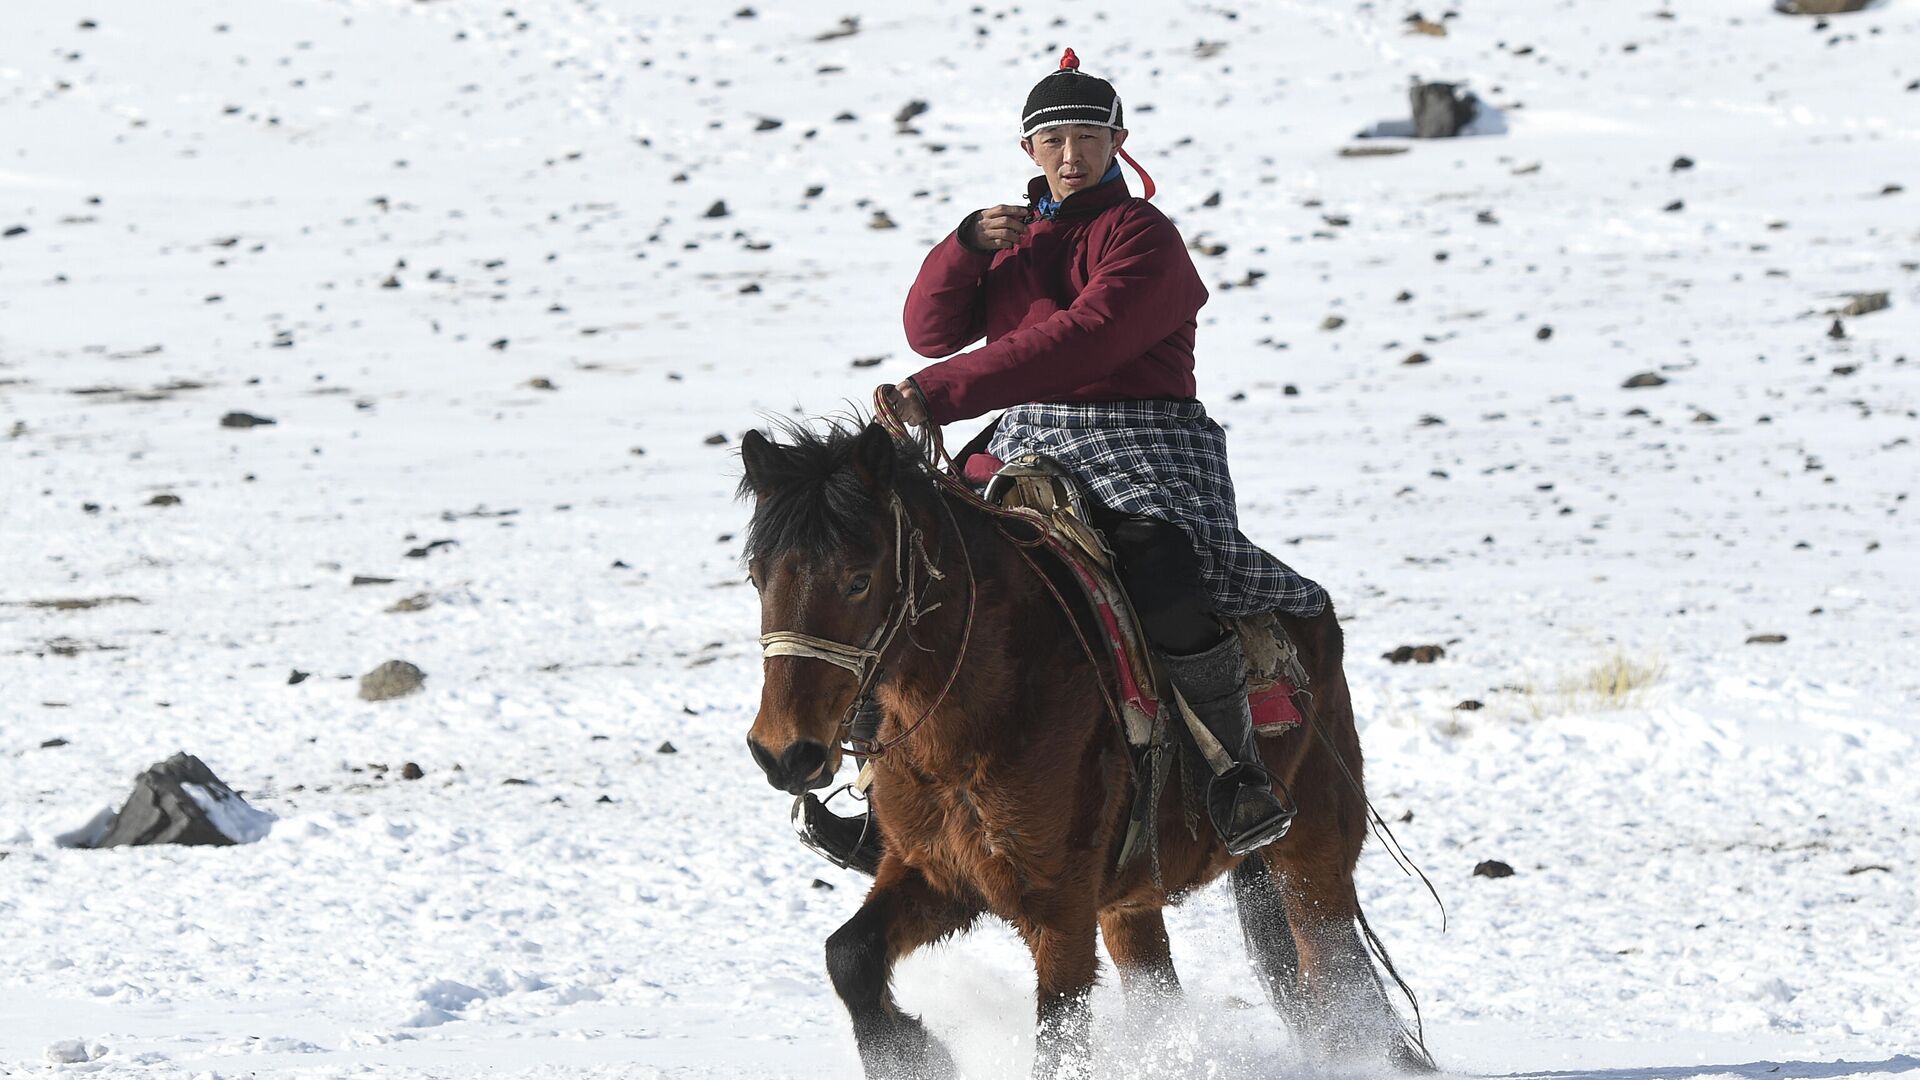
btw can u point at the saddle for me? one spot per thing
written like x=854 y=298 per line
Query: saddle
x=1275 y=675
x=1276 y=679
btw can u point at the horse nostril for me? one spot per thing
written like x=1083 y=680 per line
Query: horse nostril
x=799 y=764
x=767 y=762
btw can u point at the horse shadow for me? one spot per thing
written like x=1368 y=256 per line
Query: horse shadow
x=1752 y=1070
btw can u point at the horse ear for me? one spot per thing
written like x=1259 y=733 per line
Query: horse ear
x=761 y=458
x=874 y=458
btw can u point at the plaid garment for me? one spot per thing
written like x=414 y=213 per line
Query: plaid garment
x=1167 y=460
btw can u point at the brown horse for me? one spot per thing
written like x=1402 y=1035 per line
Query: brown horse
x=1002 y=784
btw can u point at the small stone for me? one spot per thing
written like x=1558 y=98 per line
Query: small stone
x=1682 y=163
x=541 y=383
x=1838 y=331
x=767 y=123
x=716 y=439
x=1418 y=654
x=416 y=602
x=369 y=579
x=880 y=220
x=910 y=110
x=498 y=344
x=1332 y=322
x=395 y=678
x=1492 y=868
x=1470 y=705
x=1416 y=358
x=819 y=884
x=1644 y=379
x=53 y=743
x=667 y=748
x=1675 y=206
x=164 y=499
x=1545 y=333
x=296 y=677
x=717 y=210
x=1767 y=639
x=246 y=420
x=411 y=771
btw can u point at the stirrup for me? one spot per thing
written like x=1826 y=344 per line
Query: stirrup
x=847 y=842
x=1227 y=792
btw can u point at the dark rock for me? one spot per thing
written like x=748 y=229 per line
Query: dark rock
x=1440 y=110
x=1470 y=705
x=411 y=771
x=880 y=220
x=1838 y=331
x=164 y=499
x=541 y=382
x=1371 y=151
x=1819 y=7
x=1416 y=358
x=868 y=361
x=828 y=885
x=716 y=439
x=1211 y=200
x=1644 y=379
x=53 y=743
x=1682 y=163
x=667 y=748
x=1492 y=868
x=767 y=123
x=1543 y=334
x=1766 y=639
x=1418 y=654
x=910 y=110
x=427 y=549
x=1332 y=322
x=718 y=209
x=14 y=230
x=498 y=344
x=395 y=678
x=848 y=27
x=1675 y=206
x=246 y=420
x=296 y=677
x=177 y=801
x=368 y=579
x=416 y=602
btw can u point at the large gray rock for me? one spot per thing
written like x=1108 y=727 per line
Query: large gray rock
x=1440 y=110
x=395 y=678
x=178 y=801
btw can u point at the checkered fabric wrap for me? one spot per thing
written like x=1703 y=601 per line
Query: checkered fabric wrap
x=1166 y=460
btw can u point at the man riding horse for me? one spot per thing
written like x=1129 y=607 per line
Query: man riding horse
x=1087 y=300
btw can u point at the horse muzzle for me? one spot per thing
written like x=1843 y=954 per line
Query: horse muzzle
x=802 y=767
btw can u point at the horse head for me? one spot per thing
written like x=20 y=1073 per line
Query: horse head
x=825 y=551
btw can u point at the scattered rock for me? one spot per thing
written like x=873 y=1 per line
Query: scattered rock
x=369 y=579
x=1440 y=110
x=880 y=220
x=1332 y=322
x=164 y=499
x=246 y=420
x=424 y=550
x=1545 y=333
x=716 y=439
x=53 y=744
x=848 y=27
x=177 y=801
x=1492 y=868
x=411 y=771
x=74 y=603
x=1418 y=654
x=717 y=210
x=1371 y=151
x=868 y=361
x=416 y=602
x=768 y=123
x=1416 y=358
x=667 y=748
x=296 y=677
x=1682 y=163
x=1645 y=378
x=14 y=230
x=1675 y=206
x=910 y=110
x=395 y=678
x=1819 y=7
x=1838 y=331
x=1864 y=303
x=1766 y=639
x=1470 y=705
x=828 y=885
x=541 y=383
x=1869 y=866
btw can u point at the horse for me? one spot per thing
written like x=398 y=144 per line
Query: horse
x=1002 y=784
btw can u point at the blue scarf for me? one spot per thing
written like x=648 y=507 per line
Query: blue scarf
x=1049 y=206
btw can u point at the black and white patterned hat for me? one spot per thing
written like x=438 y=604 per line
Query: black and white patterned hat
x=1069 y=96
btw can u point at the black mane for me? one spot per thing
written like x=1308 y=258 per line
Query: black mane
x=811 y=496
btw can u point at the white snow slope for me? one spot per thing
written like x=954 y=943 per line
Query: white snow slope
x=377 y=222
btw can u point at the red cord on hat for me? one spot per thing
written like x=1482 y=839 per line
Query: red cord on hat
x=1069 y=62
x=1145 y=180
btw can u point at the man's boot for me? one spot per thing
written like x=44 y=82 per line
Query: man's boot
x=1245 y=811
x=852 y=842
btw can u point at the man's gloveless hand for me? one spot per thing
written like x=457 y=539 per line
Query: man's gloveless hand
x=997 y=228
x=906 y=401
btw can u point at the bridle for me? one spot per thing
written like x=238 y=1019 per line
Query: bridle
x=859 y=728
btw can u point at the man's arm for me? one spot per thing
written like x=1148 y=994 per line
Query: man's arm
x=1144 y=288
x=945 y=309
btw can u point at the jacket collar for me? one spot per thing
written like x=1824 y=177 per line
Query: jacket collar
x=1081 y=203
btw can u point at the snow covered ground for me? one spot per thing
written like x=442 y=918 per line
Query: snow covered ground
x=378 y=223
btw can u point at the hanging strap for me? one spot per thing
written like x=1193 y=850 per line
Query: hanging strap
x=1146 y=181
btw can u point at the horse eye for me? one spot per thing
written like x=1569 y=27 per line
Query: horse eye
x=859 y=585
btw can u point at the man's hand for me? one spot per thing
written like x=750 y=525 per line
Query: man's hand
x=906 y=401
x=997 y=227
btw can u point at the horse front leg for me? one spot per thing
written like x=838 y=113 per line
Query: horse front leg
x=901 y=913
x=1137 y=941
x=1064 y=963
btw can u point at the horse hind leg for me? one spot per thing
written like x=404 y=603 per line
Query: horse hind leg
x=900 y=914
x=1143 y=955
x=1270 y=945
x=1344 y=1010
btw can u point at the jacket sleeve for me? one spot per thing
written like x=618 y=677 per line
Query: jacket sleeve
x=946 y=308
x=1143 y=289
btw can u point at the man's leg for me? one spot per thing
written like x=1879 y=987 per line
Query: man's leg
x=1204 y=658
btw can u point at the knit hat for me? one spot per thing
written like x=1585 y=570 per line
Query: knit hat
x=1069 y=96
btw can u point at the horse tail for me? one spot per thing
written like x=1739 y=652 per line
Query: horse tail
x=1413 y=1049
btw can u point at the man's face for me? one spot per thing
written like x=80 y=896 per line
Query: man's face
x=1074 y=156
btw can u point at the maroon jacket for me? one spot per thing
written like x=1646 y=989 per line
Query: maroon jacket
x=1096 y=304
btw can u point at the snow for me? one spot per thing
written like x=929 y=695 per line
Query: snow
x=1715 y=872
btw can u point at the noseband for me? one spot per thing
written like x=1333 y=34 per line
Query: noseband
x=860 y=727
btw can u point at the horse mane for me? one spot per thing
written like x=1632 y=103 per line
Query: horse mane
x=811 y=496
